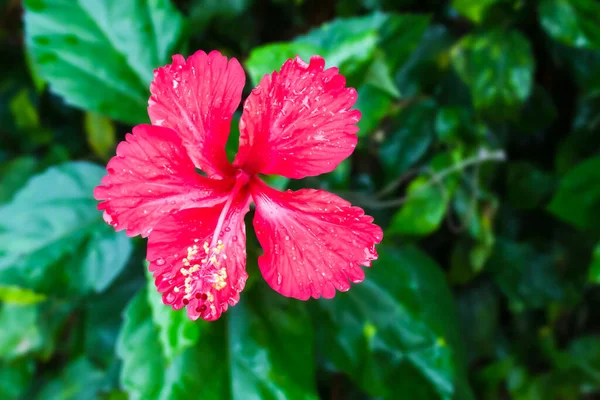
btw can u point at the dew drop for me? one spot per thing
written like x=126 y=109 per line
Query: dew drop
x=234 y=238
x=160 y=261
x=228 y=229
x=287 y=238
x=278 y=278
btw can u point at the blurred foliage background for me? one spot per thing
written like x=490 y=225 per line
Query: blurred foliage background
x=479 y=155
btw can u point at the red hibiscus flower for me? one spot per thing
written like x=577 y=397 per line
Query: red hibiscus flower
x=295 y=123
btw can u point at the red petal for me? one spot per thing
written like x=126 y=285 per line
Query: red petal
x=298 y=122
x=314 y=241
x=213 y=284
x=197 y=98
x=150 y=177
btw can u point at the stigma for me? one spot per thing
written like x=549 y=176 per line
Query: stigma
x=203 y=271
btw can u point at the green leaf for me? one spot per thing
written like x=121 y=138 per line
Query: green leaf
x=80 y=380
x=475 y=10
x=20 y=333
x=395 y=334
x=373 y=104
x=400 y=35
x=268 y=58
x=455 y=125
x=347 y=43
x=238 y=357
x=594 y=271
x=412 y=134
x=19 y=296
x=176 y=331
x=100 y=134
x=498 y=68
x=379 y=76
x=100 y=54
x=102 y=319
x=143 y=370
x=577 y=199
x=14 y=174
x=427 y=64
x=426 y=201
x=58 y=239
x=572 y=22
x=271 y=348
x=527 y=275
x=15 y=378
x=425 y=207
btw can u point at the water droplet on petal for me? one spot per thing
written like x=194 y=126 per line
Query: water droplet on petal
x=278 y=278
x=160 y=261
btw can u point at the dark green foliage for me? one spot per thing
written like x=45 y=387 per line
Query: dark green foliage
x=478 y=154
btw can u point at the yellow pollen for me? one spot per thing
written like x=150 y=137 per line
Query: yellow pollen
x=207 y=270
x=176 y=289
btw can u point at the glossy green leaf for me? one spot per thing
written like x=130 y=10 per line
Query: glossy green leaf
x=176 y=331
x=395 y=334
x=235 y=358
x=266 y=59
x=347 y=43
x=259 y=369
x=46 y=239
x=498 y=68
x=95 y=63
x=572 y=22
x=577 y=199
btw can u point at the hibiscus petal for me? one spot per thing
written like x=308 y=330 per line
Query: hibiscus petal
x=150 y=177
x=298 y=122
x=191 y=269
x=314 y=241
x=197 y=98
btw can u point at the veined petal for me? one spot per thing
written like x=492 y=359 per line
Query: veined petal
x=194 y=268
x=298 y=122
x=197 y=98
x=314 y=242
x=150 y=177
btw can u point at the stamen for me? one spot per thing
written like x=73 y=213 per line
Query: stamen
x=207 y=271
